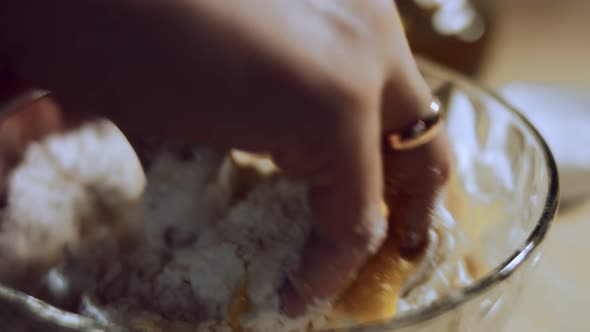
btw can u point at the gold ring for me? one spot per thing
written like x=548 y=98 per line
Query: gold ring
x=419 y=133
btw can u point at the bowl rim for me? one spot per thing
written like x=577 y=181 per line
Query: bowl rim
x=506 y=269
x=64 y=319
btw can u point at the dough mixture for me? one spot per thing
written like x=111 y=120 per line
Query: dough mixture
x=204 y=245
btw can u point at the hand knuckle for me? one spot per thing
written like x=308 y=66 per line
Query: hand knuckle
x=441 y=161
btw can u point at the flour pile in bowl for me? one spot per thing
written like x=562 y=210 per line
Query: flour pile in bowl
x=204 y=247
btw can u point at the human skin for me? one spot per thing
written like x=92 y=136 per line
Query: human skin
x=315 y=83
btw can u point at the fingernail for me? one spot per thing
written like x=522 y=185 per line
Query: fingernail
x=413 y=244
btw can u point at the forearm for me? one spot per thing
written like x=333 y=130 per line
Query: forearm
x=132 y=61
x=38 y=35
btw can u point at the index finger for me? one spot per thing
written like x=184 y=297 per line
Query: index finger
x=345 y=197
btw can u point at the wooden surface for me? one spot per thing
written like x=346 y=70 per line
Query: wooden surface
x=549 y=43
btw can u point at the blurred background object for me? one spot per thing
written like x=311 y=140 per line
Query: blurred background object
x=536 y=53
x=455 y=33
x=527 y=40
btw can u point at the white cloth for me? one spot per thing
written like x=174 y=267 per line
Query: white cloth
x=562 y=116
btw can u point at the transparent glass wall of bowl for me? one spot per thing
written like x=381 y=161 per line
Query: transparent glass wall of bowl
x=503 y=194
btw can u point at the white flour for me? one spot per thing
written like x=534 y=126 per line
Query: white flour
x=67 y=188
x=198 y=247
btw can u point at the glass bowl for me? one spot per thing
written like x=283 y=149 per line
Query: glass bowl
x=504 y=193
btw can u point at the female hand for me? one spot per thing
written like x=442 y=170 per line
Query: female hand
x=313 y=82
